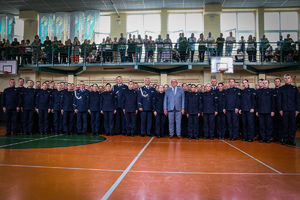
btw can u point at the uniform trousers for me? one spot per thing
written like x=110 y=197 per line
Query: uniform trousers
x=81 y=122
x=221 y=124
x=43 y=120
x=20 y=122
x=95 y=121
x=233 y=123
x=289 y=124
x=28 y=122
x=120 y=121
x=146 y=122
x=58 y=120
x=130 y=122
x=160 y=120
x=209 y=125
x=193 y=125
x=68 y=117
x=277 y=126
x=108 y=121
x=265 y=125
x=11 y=115
x=248 y=124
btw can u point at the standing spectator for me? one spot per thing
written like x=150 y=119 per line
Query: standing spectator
x=115 y=49
x=122 y=47
x=160 y=45
x=242 y=43
x=230 y=40
x=108 y=50
x=15 y=49
x=264 y=44
x=160 y=118
x=210 y=45
x=183 y=47
x=11 y=106
x=151 y=49
x=192 y=41
x=202 y=47
x=131 y=49
x=139 y=48
x=166 y=55
x=220 y=43
x=250 y=49
x=76 y=44
x=287 y=46
x=48 y=49
x=146 y=42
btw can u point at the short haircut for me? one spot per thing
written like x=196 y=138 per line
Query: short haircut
x=193 y=85
x=266 y=80
x=287 y=75
x=232 y=79
x=21 y=79
x=277 y=79
x=130 y=82
x=107 y=84
x=221 y=83
x=29 y=80
x=245 y=80
x=95 y=84
x=261 y=79
x=11 y=79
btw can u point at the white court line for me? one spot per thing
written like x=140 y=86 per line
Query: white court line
x=252 y=157
x=204 y=173
x=28 y=141
x=113 y=187
x=49 y=167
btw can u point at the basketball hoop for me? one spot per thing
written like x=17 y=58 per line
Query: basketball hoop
x=222 y=70
x=4 y=72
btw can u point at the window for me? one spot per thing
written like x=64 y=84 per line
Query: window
x=280 y=23
x=104 y=29
x=146 y=24
x=240 y=24
x=187 y=23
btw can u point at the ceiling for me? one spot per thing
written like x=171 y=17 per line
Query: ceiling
x=46 y=6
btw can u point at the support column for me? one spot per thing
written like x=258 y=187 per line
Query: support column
x=212 y=22
x=117 y=29
x=207 y=77
x=263 y=76
x=164 y=79
x=260 y=22
x=164 y=23
x=30 y=18
x=71 y=78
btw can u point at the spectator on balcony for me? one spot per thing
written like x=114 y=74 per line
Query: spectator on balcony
x=220 y=44
x=239 y=56
x=48 y=49
x=175 y=54
x=122 y=47
x=280 y=43
x=115 y=49
x=131 y=49
x=7 y=50
x=146 y=45
x=289 y=57
x=242 y=43
x=139 y=48
x=108 y=50
x=287 y=46
x=229 y=44
x=264 y=44
x=36 y=47
x=269 y=54
x=15 y=49
x=192 y=41
x=183 y=47
x=210 y=39
x=251 y=49
x=167 y=51
x=28 y=53
x=160 y=45
x=277 y=55
x=296 y=56
x=91 y=58
x=60 y=50
x=151 y=49
x=76 y=44
x=54 y=49
x=201 y=47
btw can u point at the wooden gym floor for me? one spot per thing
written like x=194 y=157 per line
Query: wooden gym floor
x=145 y=168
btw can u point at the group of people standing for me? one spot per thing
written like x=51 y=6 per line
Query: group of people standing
x=192 y=111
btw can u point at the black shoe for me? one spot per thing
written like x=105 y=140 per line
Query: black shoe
x=83 y=133
x=244 y=139
x=46 y=133
x=190 y=138
x=158 y=136
x=25 y=133
x=220 y=138
x=6 y=134
x=293 y=143
x=211 y=138
x=223 y=138
x=56 y=133
x=142 y=135
x=92 y=133
x=268 y=141
x=283 y=142
x=229 y=138
x=132 y=135
x=204 y=138
x=41 y=133
x=31 y=133
x=110 y=134
x=149 y=135
x=261 y=141
x=106 y=134
x=97 y=134
x=15 y=134
x=250 y=140
x=234 y=138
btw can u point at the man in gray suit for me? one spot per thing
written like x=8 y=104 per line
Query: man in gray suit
x=174 y=107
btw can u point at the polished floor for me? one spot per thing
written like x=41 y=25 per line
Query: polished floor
x=146 y=168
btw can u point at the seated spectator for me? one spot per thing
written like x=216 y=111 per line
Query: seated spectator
x=175 y=54
x=276 y=55
x=240 y=56
x=91 y=58
x=296 y=56
x=269 y=54
x=289 y=57
x=98 y=57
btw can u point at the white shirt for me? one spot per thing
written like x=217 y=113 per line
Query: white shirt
x=210 y=39
x=231 y=39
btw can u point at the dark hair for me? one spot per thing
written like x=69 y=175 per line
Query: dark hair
x=107 y=84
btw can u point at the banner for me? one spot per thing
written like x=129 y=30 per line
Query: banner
x=91 y=25
x=77 y=26
x=3 y=34
x=10 y=27
x=62 y=26
x=46 y=26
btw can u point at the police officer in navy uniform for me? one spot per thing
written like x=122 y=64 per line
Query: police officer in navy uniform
x=221 y=121
x=209 y=110
x=57 y=116
x=94 y=109
x=184 y=119
x=232 y=105
x=193 y=111
x=130 y=108
x=80 y=105
x=247 y=109
x=28 y=102
x=43 y=106
x=145 y=105
x=67 y=110
x=11 y=107
x=158 y=110
x=277 y=119
x=289 y=108
x=118 y=89
x=108 y=107
x=20 y=120
x=265 y=111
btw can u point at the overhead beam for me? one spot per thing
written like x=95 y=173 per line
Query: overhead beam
x=51 y=70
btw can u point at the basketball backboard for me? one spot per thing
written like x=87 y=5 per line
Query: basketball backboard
x=221 y=63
